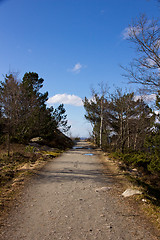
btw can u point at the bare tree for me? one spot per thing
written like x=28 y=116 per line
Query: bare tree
x=145 y=68
x=95 y=109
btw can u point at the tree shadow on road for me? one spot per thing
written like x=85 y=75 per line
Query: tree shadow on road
x=78 y=175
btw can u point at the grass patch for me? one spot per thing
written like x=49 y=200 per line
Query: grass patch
x=52 y=154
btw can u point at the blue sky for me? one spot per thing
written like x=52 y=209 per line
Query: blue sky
x=72 y=44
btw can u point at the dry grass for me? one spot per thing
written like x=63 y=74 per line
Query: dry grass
x=15 y=169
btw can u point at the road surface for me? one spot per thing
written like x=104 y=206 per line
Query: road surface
x=71 y=198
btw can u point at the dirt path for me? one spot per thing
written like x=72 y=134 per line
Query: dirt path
x=66 y=201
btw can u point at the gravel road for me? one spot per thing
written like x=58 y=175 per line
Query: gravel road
x=71 y=198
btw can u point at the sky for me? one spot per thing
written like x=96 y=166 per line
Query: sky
x=72 y=44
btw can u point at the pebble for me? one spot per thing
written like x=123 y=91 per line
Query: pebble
x=109 y=226
x=103 y=189
x=70 y=228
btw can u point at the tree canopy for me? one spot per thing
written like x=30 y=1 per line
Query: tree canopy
x=24 y=111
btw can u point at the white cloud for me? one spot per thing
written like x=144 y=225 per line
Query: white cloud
x=151 y=62
x=66 y=99
x=77 y=68
x=158 y=43
x=130 y=32
x=157 y=112
x=146 y=98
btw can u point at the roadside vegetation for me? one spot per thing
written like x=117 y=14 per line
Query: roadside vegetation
x=127 y=124
x=29 y=131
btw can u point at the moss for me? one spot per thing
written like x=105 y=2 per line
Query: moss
x=51 y=154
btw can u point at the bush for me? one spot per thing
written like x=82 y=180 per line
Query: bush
x=30 y=149
x=146 y=161
x=154 y=165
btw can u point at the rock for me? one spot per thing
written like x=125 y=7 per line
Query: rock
x=36 y=139
x=134 y=170
x=130 y=192
x=103 y=189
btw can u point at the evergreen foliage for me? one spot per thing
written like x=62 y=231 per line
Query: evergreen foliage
x=23 y=110
x=129 y=128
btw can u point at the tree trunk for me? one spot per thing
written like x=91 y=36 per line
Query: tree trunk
x=121 y=129
x=8 y=144
x=135 y=141
x=101 y=124
x=128 y=138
